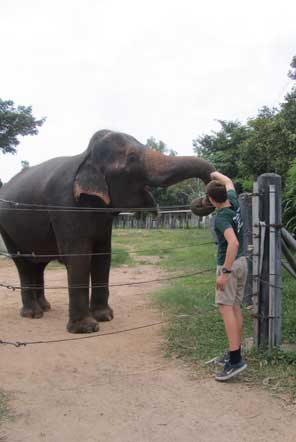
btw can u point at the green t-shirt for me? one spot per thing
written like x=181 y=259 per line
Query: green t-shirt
x=229 y=217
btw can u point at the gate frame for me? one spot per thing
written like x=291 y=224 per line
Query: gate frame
x=263 y=249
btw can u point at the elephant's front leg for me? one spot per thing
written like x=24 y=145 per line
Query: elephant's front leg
x=100 y=268
x=80 y=319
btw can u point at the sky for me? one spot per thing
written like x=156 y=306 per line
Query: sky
x=163 y=68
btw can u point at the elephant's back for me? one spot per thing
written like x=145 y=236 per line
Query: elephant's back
x=30 y=185
x=24 y=217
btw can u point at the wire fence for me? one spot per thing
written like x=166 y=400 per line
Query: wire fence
x=118 y=252
x=32 y=255
x=16 y=206
x=131 y=283
x=79 y=338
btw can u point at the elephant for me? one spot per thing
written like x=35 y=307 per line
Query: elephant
x=115 y=171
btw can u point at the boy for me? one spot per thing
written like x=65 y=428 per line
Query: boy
x=231 y=269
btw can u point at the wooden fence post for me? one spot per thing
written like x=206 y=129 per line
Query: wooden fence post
x=269 y=304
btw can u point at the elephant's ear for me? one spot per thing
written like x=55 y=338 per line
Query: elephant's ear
x=91 y=181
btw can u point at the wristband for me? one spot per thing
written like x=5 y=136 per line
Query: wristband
x=225 y=270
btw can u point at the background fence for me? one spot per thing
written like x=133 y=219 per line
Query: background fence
x=173 y=219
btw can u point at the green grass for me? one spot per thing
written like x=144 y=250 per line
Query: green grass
x=174 y=246
x=121 y=256
x=3 y=408
x=200 y=336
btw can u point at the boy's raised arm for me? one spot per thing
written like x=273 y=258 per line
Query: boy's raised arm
x=223 y=179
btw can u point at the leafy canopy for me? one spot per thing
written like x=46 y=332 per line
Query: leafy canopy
x=266 y=143
x=15 y=121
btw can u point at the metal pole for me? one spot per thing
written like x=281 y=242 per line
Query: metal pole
x=291 y=242
x=270 y=276
x=288 y=255
x=255 y=261
x=272 y=269
x=245 y=201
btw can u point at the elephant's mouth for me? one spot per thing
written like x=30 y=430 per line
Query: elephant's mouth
x=150 y=201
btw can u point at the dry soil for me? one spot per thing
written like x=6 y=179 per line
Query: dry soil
x=120 y=387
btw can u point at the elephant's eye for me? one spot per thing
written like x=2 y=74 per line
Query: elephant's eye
x=132 y=157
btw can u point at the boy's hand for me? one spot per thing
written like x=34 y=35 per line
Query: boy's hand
x=223 y=179
x=221 y=281
x=214 y=175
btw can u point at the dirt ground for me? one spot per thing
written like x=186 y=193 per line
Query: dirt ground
x=120 y=387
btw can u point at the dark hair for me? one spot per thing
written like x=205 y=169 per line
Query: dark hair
x=217 y=191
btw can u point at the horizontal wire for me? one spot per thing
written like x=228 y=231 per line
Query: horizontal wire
x=90 y=336
x=51 y=341
x=44 y=207
x=99 y=209
x=34 y=255
x=86 y=210
x=38 y=287
x=18 y=344
x=270 y=285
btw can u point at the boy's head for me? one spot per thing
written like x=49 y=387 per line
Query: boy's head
x=216 y=192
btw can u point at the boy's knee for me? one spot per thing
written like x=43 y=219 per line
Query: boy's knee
x=224 y=308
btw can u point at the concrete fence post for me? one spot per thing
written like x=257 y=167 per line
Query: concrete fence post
x=269 y=305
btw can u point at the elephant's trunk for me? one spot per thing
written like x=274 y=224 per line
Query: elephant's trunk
x=163 y=170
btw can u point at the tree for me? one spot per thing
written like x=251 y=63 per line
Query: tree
x=292 y=72
x=289 y=201
x=269 y=143
x=160 y=146
x=15 y=121
x=223 y=148
x=25 y=164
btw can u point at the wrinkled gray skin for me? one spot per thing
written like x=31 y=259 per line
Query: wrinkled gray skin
x=202 y=206
x=114 y=171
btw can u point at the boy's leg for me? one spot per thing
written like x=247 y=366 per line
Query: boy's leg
x=233 y=326
x=239 y=318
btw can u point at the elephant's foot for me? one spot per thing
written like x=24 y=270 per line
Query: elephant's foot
x=86 y=325
x=44 y=304
x=102 y=313
x=33 y=311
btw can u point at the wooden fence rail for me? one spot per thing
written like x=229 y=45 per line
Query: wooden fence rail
x=175 y=219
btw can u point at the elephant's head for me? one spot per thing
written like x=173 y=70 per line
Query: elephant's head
x=119 y=170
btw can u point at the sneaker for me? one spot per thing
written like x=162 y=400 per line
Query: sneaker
x=222 y=360
x=231 y=370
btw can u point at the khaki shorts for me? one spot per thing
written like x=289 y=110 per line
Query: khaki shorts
x=234 y=290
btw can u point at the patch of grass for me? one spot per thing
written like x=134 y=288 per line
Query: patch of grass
x=288 y=308
x=275 y=371
x=3 y=408
x=200 y=336
x=175 y=247
x=121 y=256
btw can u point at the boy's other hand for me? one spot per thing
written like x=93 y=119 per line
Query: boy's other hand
x=221 y=281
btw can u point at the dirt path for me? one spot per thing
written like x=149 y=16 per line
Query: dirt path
x=120 y=388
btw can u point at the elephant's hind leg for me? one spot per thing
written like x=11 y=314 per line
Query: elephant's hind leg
x=99 y=305
x=32 y=292
x=39 y=282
